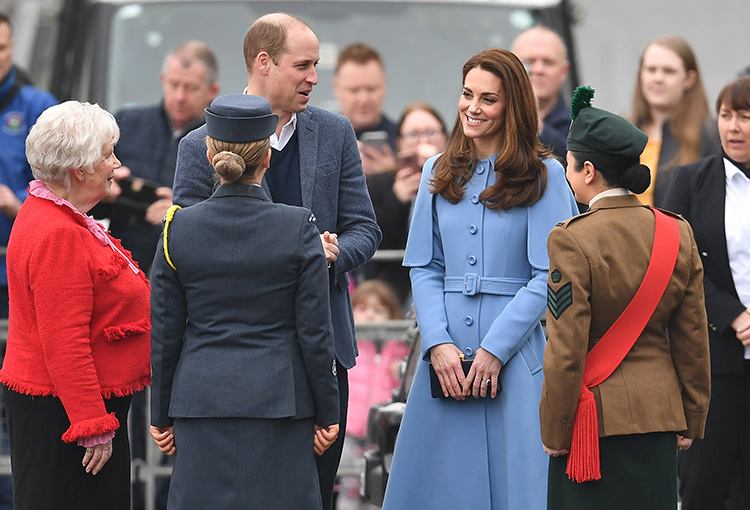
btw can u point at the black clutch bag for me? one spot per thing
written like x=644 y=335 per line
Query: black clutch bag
x=435 y=388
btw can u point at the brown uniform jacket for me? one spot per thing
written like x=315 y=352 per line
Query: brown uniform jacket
x=597 y=262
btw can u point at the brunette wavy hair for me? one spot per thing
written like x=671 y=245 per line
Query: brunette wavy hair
x=690 y=114
x=521 y=174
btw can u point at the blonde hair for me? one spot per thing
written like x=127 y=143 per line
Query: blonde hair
x=235 y=162
x=691 y=112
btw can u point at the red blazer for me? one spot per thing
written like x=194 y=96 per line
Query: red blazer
x=79 y=318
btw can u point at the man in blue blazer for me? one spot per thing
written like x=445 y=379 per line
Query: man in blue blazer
x=315 y=164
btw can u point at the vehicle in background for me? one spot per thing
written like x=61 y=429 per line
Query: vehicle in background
x=111 y=51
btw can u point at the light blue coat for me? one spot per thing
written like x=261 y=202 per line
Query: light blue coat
x=479 y=278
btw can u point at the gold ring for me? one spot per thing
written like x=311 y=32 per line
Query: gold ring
x=89 y=450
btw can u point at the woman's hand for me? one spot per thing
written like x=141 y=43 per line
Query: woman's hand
x=406 y=184
x=325 y=437
x=683 y=443
x=554 y=453
x=486 y=367
x=96 y=456
x=446 y=360
x=164 y=439
x=741 y=325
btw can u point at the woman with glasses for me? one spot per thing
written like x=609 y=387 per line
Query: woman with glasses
x=421 y=134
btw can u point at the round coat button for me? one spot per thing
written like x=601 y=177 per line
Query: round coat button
x=472 y=229
x=468 y=320
x=472 y=260
x=480 y=169
x=468 y=351
x=475 y=199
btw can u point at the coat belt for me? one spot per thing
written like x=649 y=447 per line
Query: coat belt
x=471 y=284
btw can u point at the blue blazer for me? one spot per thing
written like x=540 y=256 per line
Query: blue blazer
x=241 y=327
x=333 y=187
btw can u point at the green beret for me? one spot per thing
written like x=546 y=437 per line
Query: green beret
x=596 y=130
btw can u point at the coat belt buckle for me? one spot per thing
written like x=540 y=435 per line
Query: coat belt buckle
x=471 y=284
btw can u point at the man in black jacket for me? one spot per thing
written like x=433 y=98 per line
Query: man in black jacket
x=148 y=146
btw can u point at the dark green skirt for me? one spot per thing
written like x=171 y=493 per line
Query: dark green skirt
x=638 y=471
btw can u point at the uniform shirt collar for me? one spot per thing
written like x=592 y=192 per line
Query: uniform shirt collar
x=613 y=192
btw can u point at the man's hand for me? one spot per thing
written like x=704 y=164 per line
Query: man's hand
x=330 y=246
x=9 y=203
x=156 y=211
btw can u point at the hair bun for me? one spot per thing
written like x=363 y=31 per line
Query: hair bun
x=636 y=178
x=229 y=165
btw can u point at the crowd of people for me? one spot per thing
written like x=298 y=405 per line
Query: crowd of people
x=626 y=234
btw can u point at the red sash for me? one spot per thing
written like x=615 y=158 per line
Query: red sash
x=608 y=353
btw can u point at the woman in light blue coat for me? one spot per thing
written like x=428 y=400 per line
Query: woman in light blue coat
x=477 y=249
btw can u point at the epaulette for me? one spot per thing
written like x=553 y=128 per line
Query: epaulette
x=670 y=213
x=567 y=222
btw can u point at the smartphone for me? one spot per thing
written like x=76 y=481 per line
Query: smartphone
x=375 y=139
x=407 y=160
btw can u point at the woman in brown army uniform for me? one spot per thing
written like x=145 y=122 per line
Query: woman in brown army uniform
x=647 y=391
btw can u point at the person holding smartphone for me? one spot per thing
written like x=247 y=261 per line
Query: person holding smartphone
x=359 y=86
x=421 y=134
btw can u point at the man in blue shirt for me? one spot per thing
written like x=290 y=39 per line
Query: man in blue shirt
x=20 y=105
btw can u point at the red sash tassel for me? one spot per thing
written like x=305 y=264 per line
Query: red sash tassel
x=583 y=461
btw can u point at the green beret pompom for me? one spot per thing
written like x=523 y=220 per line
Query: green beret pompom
x=581 y=99
x=597 y=130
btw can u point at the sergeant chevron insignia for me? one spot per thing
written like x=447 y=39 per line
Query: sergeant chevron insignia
x=558 y=301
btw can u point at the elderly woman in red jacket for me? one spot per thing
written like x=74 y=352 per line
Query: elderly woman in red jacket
x=78 y=333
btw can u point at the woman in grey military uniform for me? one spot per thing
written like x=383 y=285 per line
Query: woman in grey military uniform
x=243 y=389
